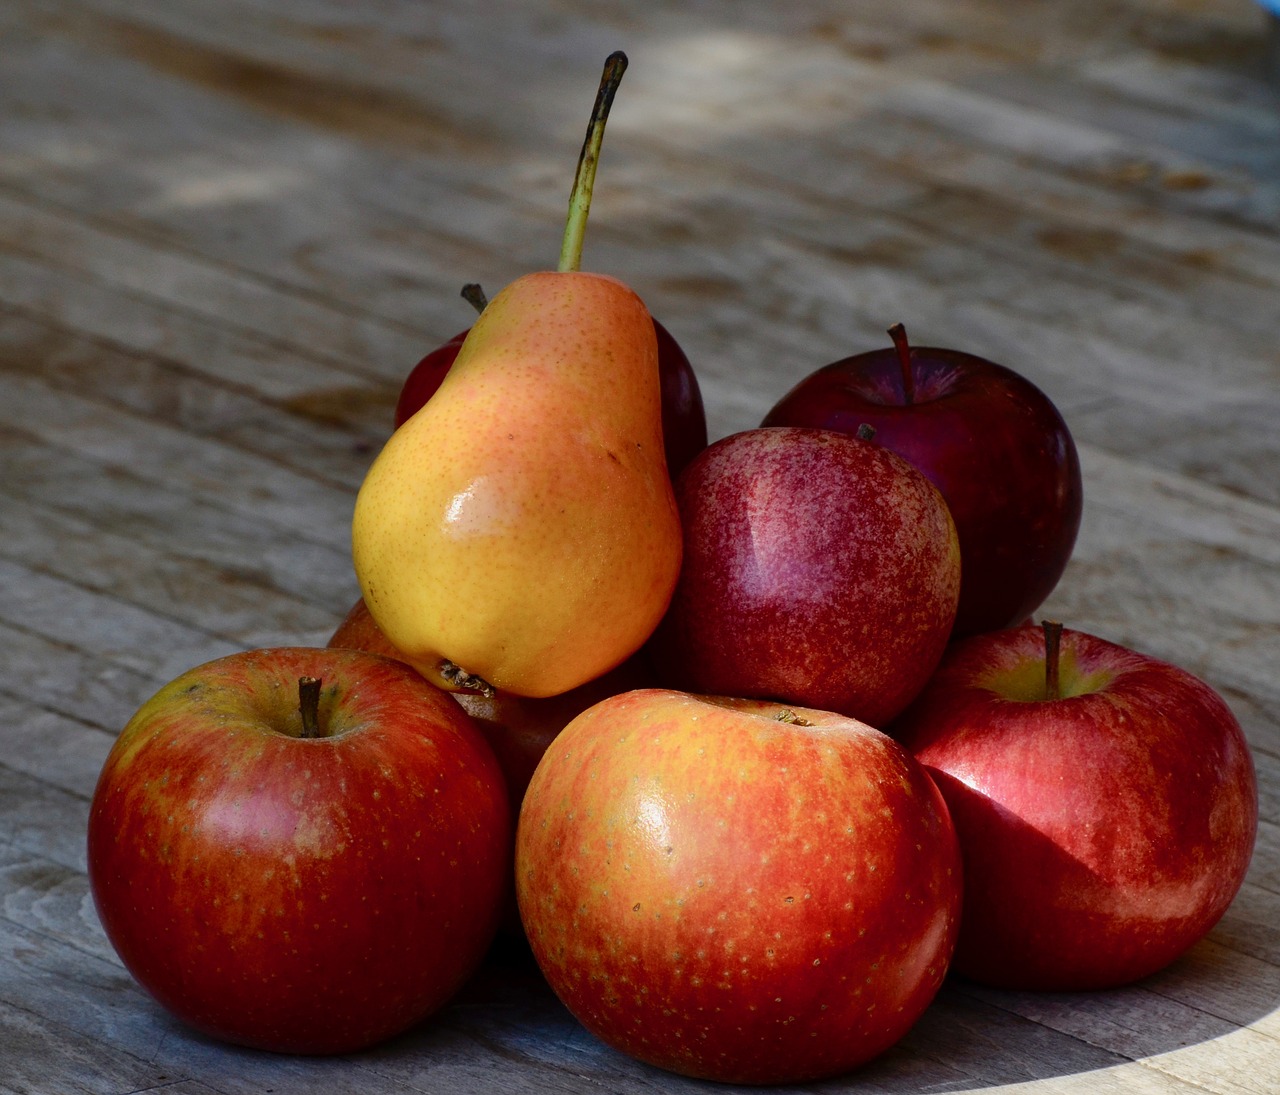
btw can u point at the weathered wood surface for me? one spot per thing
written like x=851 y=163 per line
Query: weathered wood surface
x=228 y=229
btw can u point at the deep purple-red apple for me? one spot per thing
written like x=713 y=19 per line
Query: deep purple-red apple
x=684 y=419
x=1106 y=810
x=305 y=868
x=989 y=439
x=736 y=890
x=819 y=569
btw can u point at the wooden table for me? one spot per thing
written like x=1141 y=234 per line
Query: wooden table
x=227 y=230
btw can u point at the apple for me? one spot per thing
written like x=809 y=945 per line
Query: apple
x=1105 y=800
x=300 y=850
x=518 y=728
x=734 y=890
x=425 y=377
x=992 y=443
x=684 y=419
x=819 y=569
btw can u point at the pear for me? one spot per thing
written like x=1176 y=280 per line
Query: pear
x=520 y=531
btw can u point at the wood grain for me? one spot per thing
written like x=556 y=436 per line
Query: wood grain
x=227 y=231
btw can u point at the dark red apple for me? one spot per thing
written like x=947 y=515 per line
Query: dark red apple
x=992 y=443
x=425 y=377
x=735 y=890
x=518 y=728
x=300 y=875
x=1106 y=820
x=819 y=569
x=684 y=419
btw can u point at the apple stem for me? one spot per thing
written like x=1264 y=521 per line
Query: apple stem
x=865 y=432
x=309 y=705
x=584 y=178
x=899 y=335
x=474 y=295
x=1052 y=657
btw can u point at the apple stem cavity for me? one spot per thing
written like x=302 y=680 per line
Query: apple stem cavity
x=899 y=335
x=791 y=718
x=309 y=705
x=1052 y=658
x=584 y=178
x=474 y=295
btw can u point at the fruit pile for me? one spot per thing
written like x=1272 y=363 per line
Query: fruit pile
x=753 y=742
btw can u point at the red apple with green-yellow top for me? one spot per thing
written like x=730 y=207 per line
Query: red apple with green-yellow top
x=300 y=850
x=819 y=569
x=990 y=440
x=737 y=890
x=1106 y=804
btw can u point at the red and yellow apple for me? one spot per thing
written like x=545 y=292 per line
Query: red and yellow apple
x=296 y=878
x=735 y=890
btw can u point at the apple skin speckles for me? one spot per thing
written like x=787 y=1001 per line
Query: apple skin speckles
x=820 y=569
x=735 y=890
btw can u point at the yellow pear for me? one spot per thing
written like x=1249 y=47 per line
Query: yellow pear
x=521 y=527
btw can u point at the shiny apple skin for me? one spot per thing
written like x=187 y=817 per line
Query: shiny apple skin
x=309 y=896
x=993 y=444
x=819 y=569
x=731 y=896
x=684 y=418
x=1103 y=833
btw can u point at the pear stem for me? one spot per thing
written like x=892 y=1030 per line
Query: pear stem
x=1052 y=658
x=309 y=705
x=467 y=682
x=474 y=295
x=899 y=335
x=584 y=178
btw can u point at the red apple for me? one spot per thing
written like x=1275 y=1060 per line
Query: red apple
x=819 y=569
x=296 y=878
x=1107 y=820
x=518 y=728
x=684 y=420
x=992 y=443
x=425 y=377
x=736 y=891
